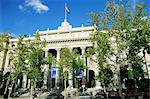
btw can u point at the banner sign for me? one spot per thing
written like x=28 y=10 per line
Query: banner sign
x=53 y=71
x=79 y=73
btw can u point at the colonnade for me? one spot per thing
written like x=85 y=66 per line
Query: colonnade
x=57 y=70
x=46 y=67
x=26 y=82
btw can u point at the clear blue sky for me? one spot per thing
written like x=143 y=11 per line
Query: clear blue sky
x=26 y=16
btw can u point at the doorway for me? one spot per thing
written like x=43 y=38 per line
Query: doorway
x=91 y=82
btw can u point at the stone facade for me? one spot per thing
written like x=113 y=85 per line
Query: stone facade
x=64 y=37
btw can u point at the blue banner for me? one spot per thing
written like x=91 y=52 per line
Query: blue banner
x=79 y=73
x=53 y=71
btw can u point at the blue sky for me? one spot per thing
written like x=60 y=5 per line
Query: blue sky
x=21 y=17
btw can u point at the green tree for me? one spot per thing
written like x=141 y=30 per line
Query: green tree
x=138 y=42
x=102 y=42
x=129 y=33
x=18 y=64
x=101 y=50
x=18 y=58
x=70 y=61
x=36 y=59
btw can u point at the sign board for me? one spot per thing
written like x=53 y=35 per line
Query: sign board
x=53 y=73
x=79 y=73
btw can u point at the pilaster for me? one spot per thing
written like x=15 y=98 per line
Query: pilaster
x=7 y=60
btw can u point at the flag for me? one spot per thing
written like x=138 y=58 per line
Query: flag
x=67 y=9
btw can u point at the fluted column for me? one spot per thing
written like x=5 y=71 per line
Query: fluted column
x=88 y=66
x=57 y=65
x=83 y=56
x=28 y=86
x=46 y=67
x=24 y=80
x=18 y=81
x=70 y=73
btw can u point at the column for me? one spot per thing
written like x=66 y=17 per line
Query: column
x=83 y=56
x=18 y=81
x=88 y=64
x=70 y=49
x=46 y=67
x=57 y=65
x=70 y=81
x=24 y=80
x=28 y=86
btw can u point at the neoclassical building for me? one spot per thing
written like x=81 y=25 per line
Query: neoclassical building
x=65 y=36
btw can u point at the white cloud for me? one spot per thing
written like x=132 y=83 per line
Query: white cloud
x=37 y=5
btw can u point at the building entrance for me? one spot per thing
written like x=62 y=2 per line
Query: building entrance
x=91 y=81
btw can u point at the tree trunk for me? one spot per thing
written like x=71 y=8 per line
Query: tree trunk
x=104 y=87
x=65 y=97
x=7 y=85
x=119 y=80
x=32 y=91
x=32 y=88
x=105 y=91
x=146 y=66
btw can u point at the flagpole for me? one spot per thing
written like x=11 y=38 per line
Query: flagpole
x=65 y=12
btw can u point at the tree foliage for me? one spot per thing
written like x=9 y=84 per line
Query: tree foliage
x=27 y=58
x=71 y=60
x=36 y=58
x=126 y=36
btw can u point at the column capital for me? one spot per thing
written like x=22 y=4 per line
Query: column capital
x=24 y=81
x=83 y=47
x=46 y=50
x=70 y=49
x=57 y=49
x=83 y=50
x=58 y=54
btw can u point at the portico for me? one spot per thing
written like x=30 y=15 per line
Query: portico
x=67 y=37
x=64 y=37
